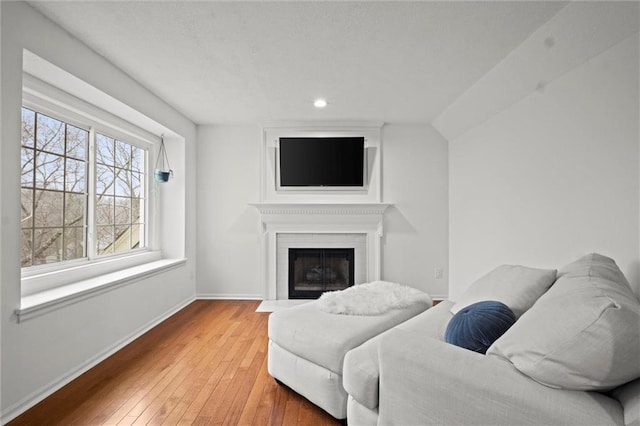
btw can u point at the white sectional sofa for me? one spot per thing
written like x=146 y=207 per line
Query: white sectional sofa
x=572 y=357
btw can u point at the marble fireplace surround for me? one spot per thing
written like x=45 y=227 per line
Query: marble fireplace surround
x=318 y=218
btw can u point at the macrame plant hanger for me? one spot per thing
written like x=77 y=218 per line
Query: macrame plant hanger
x=162 y=174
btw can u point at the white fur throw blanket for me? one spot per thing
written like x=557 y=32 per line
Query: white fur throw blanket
x=373 y=298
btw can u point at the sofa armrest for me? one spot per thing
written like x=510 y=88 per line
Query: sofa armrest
x=360 y=373
x=427 y=381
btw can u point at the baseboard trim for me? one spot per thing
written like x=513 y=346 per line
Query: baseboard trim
x=225 y=296
x=31 y=400
x=439 y=297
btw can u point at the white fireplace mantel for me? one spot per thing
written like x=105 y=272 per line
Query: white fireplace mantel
x=321 y=208
x=318 y=218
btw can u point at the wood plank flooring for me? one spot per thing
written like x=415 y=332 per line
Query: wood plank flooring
x=207 y=364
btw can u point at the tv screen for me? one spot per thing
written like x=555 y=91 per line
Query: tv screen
x=326 y=161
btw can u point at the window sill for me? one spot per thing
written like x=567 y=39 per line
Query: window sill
x=42 y=302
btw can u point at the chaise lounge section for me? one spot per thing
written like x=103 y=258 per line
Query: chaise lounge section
x=307 y=345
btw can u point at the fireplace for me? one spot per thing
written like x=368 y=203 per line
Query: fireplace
x=318 y=225
x=312 y=271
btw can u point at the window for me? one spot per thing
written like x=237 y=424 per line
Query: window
x=91 y=214
x=83 y=192
x=54 y=196
x=119 y=196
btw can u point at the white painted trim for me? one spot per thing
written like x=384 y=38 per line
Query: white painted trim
x=439 y=297
x=220 y=296
x=50 y=99
x=40 y=303
x=29 y=401
x=237 y=296
x=269 y=188
x=321 y=208
x=42 y=278
x=323 y=125
x=318 y=218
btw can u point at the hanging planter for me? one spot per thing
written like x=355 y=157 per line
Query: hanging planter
x=162 y=174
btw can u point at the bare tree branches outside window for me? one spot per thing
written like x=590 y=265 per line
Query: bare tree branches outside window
x=55 y=192
x=119 y=195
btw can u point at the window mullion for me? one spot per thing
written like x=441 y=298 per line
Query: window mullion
x=33 y=187
x=91 y=199
x=63 y=253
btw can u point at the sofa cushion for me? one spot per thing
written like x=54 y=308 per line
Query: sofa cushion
x=582 y=334
x=516 y=286
x=477 y=326
x=324 y=338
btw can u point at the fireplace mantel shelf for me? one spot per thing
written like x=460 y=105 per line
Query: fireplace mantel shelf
x=321 y=208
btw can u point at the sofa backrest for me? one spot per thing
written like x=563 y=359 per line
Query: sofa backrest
x=582 y=334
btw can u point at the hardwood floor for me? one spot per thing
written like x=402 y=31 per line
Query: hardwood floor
x=207 y=364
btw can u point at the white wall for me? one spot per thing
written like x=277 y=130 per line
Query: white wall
x=553 y=176
x=414 y=176
x=42 y=353
x=415 y=179
x=228 y=180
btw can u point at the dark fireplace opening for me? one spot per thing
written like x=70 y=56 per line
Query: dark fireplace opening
x=312 y=271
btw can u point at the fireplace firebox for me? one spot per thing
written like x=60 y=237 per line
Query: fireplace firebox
x=312 y=271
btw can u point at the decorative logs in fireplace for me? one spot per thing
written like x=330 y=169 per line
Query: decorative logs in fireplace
x=312 y=271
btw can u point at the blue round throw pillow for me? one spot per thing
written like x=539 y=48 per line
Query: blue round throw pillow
x=477 y=326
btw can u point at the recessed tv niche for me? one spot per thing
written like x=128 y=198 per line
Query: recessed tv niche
x=322 y=162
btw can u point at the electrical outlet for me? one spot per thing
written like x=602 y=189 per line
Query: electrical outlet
x=437 y=273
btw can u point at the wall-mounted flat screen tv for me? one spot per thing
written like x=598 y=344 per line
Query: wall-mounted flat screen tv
x=322 y=161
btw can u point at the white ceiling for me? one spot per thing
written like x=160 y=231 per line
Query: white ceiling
x=240 y=62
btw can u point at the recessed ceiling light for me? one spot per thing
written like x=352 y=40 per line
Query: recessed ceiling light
x=319 y=103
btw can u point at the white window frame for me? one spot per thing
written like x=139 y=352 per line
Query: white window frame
x=49 y=100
